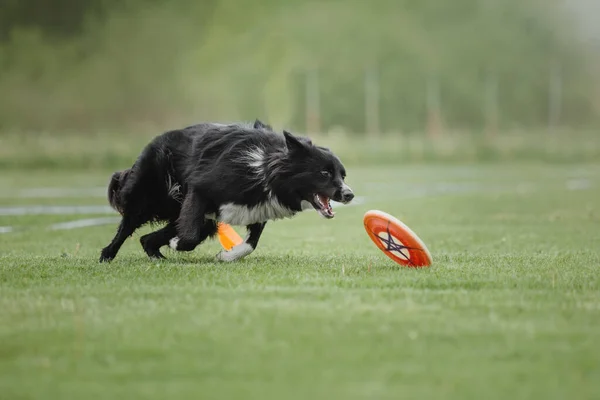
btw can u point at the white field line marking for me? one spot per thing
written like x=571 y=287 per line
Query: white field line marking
x=70 y=210
x=409 y=191
x=55 y=210
x=355 y=202
x=578 y=180
x=398 y=191
x=80 y=223
x=83 y=223
x=578 y=184
x=51 y=192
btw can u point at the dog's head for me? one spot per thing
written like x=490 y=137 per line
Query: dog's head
x=316 y=175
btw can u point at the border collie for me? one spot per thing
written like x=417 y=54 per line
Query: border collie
x=239 y=174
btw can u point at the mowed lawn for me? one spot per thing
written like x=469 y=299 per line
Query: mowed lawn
x=510 y=308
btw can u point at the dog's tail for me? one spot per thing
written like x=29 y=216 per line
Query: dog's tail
x=114 y=189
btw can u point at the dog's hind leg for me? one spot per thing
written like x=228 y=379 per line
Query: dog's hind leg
x=246 y=247
x=126 y=228
x=192 y=226
x=152 y=242
x=208 y=229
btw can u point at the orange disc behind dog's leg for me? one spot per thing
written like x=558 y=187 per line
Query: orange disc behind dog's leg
x=228 y=236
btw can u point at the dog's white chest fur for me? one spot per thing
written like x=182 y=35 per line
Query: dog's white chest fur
x=236 y=214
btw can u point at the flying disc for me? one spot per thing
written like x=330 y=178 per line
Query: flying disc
x=396 y=240
x=228 y=236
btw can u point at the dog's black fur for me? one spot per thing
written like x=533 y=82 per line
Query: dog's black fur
x=239 y=174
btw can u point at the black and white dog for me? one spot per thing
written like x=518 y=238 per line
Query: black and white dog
x=238 y=174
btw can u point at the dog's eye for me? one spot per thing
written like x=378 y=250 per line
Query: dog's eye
x=326 y=174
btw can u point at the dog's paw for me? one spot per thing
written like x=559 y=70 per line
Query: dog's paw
x=106 y=256
x=236 y=253
x=152 y=251
x=155 y=255
x=182 y=244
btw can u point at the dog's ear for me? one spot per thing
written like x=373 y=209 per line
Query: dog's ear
x=305 y=140
x=258 y=124
x=293 y=143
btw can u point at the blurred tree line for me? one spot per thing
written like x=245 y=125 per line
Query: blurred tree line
x=114 y=64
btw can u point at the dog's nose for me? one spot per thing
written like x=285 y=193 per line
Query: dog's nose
x=347 y=197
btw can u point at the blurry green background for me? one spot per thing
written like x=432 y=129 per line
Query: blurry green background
x=397 y=79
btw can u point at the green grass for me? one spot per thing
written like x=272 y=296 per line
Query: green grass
x=510 y=308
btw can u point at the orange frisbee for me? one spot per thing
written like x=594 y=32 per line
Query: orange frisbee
x=396 y=240
x=228 y=236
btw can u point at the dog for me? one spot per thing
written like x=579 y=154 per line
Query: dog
x=239 y=174
x=156 y=180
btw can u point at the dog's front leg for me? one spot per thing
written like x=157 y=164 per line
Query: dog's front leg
x=246 y=247
x=190 y=224
x=126 y=228
x=152 y=242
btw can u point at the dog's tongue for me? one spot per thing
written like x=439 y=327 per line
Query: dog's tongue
x=326 y=211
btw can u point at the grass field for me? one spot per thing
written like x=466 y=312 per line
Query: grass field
x=510 y=308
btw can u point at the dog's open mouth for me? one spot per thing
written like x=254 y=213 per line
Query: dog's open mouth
x=322 y=204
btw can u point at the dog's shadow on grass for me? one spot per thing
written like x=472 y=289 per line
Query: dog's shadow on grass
x=206 y=260
x=197 y=260
x=210 y=261
x=267 y=260
x=346 y=265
